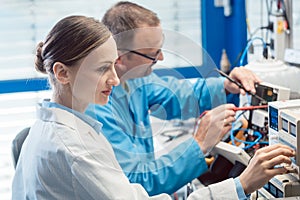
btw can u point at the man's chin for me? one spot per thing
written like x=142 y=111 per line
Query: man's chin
x=148 y=72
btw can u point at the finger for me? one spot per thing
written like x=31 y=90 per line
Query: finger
x=240 y=74
x=228 y=121
x=273 y=147
x=229 y=113
x=249 y=84
x=229 y=106
x=253 y=80
x=248 y=79
x=242 y=92
x=277 y=160
x=217 y=115
x=256 y=78
x=249 y=74
x=276 y=171
x=223 y=111
x=224 y=107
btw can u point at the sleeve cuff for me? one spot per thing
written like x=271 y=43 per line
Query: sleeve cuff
x=240 y=190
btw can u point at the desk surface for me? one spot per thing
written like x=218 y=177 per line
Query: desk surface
x=169 y=134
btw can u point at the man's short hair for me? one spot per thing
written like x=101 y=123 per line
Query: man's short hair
x=124 y=17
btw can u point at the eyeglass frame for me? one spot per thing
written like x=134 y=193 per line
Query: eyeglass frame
x=154 y=60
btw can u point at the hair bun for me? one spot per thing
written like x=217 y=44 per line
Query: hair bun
x=39 y=61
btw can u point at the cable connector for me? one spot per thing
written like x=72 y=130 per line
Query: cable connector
x=265 y=52
x=270 y=26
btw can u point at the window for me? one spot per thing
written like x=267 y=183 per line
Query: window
x=25 y=23
x=257 y=15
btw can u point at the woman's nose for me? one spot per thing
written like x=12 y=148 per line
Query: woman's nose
x=113 y=79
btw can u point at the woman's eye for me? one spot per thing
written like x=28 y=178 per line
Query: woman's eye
x=103 y=69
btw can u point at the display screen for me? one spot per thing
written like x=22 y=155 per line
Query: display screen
x=293 y=129
x=285 y=125
x=273 y=117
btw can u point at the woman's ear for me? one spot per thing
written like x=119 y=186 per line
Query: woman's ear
x=61 y=72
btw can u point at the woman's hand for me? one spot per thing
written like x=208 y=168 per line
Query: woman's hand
x=261 y=167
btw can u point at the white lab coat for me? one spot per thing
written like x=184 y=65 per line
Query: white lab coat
x=64 y=158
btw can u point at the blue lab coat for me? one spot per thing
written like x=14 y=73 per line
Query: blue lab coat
x=126 y=125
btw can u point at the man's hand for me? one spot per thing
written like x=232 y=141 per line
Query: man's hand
x=244 y=76
x=213 y=126
x=261 y=167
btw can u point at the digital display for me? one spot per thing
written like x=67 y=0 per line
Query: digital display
x=273 y=117
x=285 y=125
x=293 y=129
x=273 y=189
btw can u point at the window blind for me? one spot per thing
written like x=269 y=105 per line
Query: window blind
x=24 y=23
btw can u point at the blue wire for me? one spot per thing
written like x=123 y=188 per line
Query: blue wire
x=231 y=131
x=251 y=144
x=247 y=48
x=232 y=137
x=264 y=143
x=255 y=141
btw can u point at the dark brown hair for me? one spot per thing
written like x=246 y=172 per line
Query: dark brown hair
x=70 y=40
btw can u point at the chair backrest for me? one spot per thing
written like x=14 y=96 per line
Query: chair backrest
x=17 y=144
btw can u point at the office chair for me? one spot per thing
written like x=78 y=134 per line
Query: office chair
x=17 y=144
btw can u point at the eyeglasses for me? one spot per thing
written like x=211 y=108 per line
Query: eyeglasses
x=154 y=59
